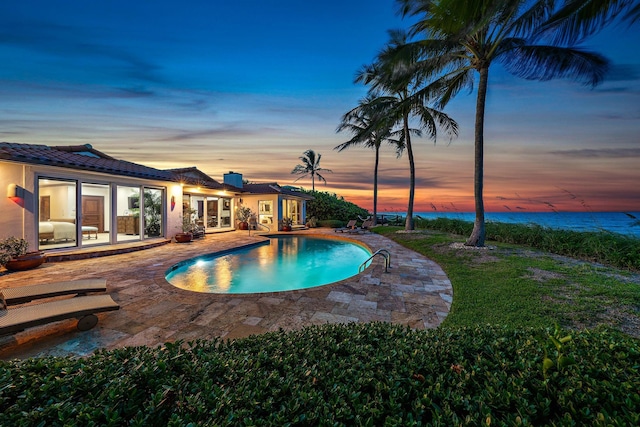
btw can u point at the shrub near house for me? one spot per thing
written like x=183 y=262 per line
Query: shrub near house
x=329 y=206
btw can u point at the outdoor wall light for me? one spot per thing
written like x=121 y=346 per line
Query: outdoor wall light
x=14 y=191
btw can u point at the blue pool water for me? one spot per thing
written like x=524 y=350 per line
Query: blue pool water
x=283 y=264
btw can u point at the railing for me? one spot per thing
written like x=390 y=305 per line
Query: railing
x=387 y=260
x=265 y=226
x=256 y=225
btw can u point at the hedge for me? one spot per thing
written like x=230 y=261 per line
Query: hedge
x=358 y=374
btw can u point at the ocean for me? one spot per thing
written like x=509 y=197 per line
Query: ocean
x=626 y=223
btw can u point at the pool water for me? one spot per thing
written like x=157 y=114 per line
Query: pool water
x=283 y=264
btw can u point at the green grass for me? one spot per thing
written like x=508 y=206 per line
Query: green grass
x=607 y=248
x=514 y=286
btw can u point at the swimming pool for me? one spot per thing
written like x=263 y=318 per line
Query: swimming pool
x=283 y=263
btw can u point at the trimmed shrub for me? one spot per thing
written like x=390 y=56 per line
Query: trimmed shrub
x=356 y=374
x=331 y=206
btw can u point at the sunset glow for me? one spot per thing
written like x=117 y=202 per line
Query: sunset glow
x=249 y=86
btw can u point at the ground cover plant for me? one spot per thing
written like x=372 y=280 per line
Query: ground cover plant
x=359 y=374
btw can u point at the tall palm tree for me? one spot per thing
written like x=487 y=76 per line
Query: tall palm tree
x=310 y=166
x=459 y=40
x=370 y=126
x=396 y=78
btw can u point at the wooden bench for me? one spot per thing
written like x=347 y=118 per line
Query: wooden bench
x=18 y=319
x=24 y=294
x=83 y=307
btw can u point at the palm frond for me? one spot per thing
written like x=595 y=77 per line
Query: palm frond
x=550 y=62
x=578 y=19
x=533 y=15
x=633 y=16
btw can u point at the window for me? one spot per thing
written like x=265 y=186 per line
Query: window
x=265 y=211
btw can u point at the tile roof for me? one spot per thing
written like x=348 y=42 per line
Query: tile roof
x=274 y=188
x=85 y=157
x=70 y=157
x=194 y=175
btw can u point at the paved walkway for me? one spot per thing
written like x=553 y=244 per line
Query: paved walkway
x=415 y=292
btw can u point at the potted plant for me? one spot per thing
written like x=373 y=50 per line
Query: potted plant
x=14 y=255
x=286 y=224
x=186 y=235
x=242 y=215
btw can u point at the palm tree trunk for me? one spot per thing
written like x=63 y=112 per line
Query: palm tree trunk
x=408 y=225
x=313 y=182
x=478 y=234
x=375 y=186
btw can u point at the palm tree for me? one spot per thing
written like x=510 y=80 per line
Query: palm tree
x=396 y=77
x=370 y=127
x=459 y=39
x=310 y=166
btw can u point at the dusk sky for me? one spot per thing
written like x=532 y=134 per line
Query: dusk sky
x=248 y=86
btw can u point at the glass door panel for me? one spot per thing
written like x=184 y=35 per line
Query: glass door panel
x=128 y=213
x=212 y=212
x=96 y=214
x=225 y=213
x=153 y=224
x=57 y=216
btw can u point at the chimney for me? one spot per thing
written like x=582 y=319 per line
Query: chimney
x=233 y=178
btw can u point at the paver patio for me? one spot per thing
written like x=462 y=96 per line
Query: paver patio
x=415 y=292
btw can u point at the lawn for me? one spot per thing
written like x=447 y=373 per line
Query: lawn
x=518 y=286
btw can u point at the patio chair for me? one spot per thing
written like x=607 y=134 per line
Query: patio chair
x=366 y=225
x=350 y=226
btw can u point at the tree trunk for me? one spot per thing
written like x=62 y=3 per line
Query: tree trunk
x=478 y=234
x=375 y=187
x=408 y=225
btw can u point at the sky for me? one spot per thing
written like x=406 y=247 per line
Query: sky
x=248 y=86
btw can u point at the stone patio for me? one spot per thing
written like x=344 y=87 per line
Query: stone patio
x=415 y=292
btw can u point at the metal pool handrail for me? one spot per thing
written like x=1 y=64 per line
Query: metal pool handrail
x=387 y=260
x=259 y=224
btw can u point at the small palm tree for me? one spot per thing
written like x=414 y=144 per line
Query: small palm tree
x=370 y=126
x=458 y=40
x=310 y=166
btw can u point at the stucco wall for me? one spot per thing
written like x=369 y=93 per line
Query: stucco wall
x=16 y=212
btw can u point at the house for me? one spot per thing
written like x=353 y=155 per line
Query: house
x=64 y=197
x=270 y=202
